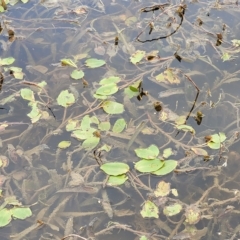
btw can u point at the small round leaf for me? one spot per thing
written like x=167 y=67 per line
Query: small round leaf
x=117 y=180
x=172 y=210
x=65 y=98
x=64 y=144
x=111 y=107
x=94 y=63
x=77 y=74
x=115 y=168
x=107 y=89
x=5 y=217
x=119 y=125
x=148 y=166
x=147 y=153
x=21 y=213
x=169 y=166
x=149 y=210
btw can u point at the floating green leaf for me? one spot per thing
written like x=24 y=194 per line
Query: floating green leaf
x=21 y=212
x=72 y=125
x=147 y=153
x=35 y=113
x=137 y=56
x=149 y=210
x=91 y=142
x=109 y=80
x=115 y=168
x=16 y=72
x=27 y=94
x=5 y=217
x=148 y=166
x=172 y=210
x=119 y=125
x=216 y=140
x=68 y=62
x=214 y=145
x=7 y=61
x=186 y=128
x=167 y=152
x=77 y=74
x=111 y=107
x=85 y=123
x=220 y=136
x=65 y=98
x=104 y=126
x=107 y=89
x=130 y=93
x=168 y=167
x=117 y=180
x=162 y=189
x=81 y=135
x=94 y=63
x=64 y=144
x=174 y=192
x=94 y=120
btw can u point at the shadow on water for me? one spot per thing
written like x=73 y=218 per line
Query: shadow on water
x=119 y=120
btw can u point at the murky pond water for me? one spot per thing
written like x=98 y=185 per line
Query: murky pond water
x=119 y=120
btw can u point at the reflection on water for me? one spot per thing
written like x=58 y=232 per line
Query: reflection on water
x=60 y=61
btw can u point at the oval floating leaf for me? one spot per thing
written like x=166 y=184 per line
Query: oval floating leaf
x=107 y=89
x=214 y=145
x=172 y=210
x=119 y=125
x=27 y=94
x=115 y=168
x=111 y=107
x=167 y=152
x=94 y=63
x=149 y=210
x=137 y=56
x=104 y=126
x=7 y=61
x=147 y=153
x=72 y=125
x=77 y=74
x=169 y=166
x=68 y=62
x=85 y=123
x=81 y=135
x=5 y=217
x=117 y=180
x=148 y=166
x=21 y=213
x=186 y=128
x=64 y=144
x=91 y=142
x=65 y=98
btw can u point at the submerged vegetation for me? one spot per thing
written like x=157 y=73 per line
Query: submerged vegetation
x=119 y=119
